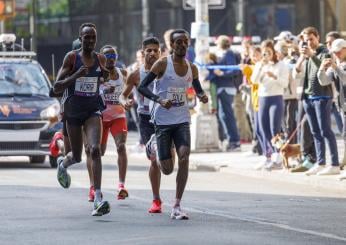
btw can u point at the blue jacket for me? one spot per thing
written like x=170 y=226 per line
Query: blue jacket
x=231 y=78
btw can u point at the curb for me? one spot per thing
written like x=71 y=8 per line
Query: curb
x=319 y=182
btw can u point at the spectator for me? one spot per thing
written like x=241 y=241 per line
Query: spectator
x=166 y=38
x=250 y=90
x=246 y=45
x=227 y=83
x=290 y=95
x=336 y=112
x=272 y=77
x=334 y=71
x=304 y=133
x=317 y=102
x=212 y=60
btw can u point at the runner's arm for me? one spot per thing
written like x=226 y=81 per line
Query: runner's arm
x=155 y=71
x=196 y=84
x=131 y=82
x=63 y=80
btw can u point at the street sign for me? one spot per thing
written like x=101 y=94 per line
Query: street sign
x=212 y=4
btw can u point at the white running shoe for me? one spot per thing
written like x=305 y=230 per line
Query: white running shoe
x=178 y=214
x=342 y=176
x=314 y=170
x=273 y=166
x=263 y=163
x=329 y=170
x=101 y=208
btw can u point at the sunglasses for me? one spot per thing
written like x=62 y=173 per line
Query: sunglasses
x=111 y=56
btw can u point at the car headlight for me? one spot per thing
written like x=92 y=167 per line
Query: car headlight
x=51 y=112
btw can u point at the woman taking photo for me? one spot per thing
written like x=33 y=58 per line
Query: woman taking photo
x=272 y=77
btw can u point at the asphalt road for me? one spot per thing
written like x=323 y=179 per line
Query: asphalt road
x=224 y=208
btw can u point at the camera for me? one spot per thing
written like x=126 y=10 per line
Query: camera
x=328 y=56
x=304 y=44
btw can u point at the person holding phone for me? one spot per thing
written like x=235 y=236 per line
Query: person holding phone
x=317 y=101
x=272 y=77
x=333 y=71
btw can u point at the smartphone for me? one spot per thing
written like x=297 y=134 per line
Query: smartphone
x=328 y=56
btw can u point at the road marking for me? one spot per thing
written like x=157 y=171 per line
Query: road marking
x=239 y=218
x=251 y=220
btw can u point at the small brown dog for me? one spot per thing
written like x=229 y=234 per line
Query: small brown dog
x=286 y=150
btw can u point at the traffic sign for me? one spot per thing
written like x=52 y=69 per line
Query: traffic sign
x=7 y=9
x=212 y=4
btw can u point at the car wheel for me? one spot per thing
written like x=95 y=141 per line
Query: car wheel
x=37 y=159
x=53 y=161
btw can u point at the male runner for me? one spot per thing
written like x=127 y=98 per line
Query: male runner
x=81 y=78
x=114 y=117
x=151 y=53
x=171 y=112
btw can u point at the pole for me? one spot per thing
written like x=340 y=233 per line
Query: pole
x=2 y=26
x=204 y=129
x=240 y=25
x=322 y=18
x=32 y=20
x=202 y=41
x=145 y=19
x=338 y=15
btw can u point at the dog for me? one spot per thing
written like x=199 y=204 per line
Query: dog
x=286 y=150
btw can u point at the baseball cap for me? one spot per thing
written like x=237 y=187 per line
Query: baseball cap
x=337 y=45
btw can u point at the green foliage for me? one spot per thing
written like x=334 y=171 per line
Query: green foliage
x=56 y=8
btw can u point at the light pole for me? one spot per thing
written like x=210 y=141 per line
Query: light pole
x=33 y=31
x=145 y=19
x=204 y=130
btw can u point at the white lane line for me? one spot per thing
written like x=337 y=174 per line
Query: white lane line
x=240 y=218
x=268 y=223
x=251 y=220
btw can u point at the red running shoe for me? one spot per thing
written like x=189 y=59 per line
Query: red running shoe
x=53 y=146
x=91 y=194
x=155 y=207
x=122 y=193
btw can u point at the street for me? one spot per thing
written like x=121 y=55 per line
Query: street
x=224 y=208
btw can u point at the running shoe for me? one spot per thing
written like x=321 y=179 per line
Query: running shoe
x=101 y=208
x=178 y=214
x=151 y=147
x=53 y=146
x=155 y=207
x=91 y=193
x=64 y=178
x=122 y=193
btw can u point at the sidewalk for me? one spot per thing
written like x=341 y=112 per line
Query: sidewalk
x=243 y=163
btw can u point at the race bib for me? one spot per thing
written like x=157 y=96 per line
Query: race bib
x=113 y=98
x=86 y=86
x=177 y=96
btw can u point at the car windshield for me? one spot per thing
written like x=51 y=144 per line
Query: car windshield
x=22 y=79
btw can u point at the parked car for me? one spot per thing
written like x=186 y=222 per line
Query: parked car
x=28 y=116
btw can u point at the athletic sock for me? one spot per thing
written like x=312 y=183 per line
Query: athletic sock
x=98 y=196
x=156 y=197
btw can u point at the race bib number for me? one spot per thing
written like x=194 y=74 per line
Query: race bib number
x=86 y=86
x=177 y=96
x=113 y=98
